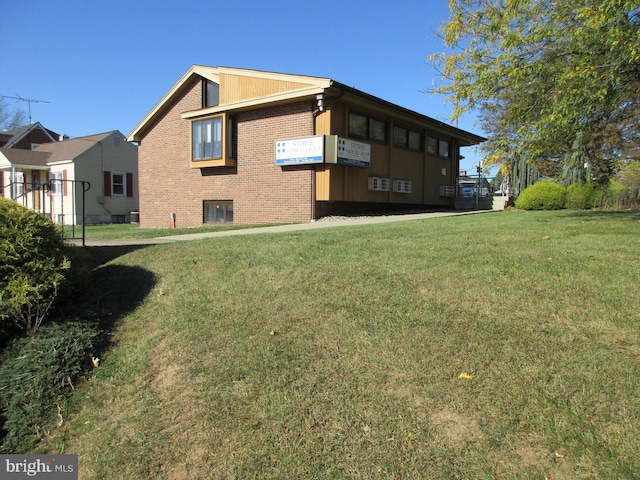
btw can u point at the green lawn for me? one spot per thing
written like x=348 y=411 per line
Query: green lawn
x=503 y=345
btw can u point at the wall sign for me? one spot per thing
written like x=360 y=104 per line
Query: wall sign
x=300 y=151
x=323 y=149
x=354 y=153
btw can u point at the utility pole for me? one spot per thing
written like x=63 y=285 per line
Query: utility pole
x=28 y=100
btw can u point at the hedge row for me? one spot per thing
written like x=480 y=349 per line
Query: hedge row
x=548 y=195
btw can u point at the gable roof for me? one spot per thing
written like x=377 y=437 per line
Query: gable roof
x=275 y=87
x=50 y=153
x=67 y=150
x=29 y=159
x=15 y=135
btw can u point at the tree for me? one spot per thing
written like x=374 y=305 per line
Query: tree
x=11 y=118
x=556 y=83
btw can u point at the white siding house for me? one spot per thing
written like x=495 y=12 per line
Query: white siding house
x=95 y=177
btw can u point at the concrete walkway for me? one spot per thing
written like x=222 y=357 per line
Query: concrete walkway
x=324 y=223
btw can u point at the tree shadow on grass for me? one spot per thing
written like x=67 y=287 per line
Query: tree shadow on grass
x=111 y=291
x=605 y=214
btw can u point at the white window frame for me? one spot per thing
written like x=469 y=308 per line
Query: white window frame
x=55 y=183
x=18 y=184
x=123 y=183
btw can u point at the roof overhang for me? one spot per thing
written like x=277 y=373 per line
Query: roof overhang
x=354 y=96
x=280 y=98
x=314 y=86
x=23 y=166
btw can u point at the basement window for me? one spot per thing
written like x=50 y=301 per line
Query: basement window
x=218 y=211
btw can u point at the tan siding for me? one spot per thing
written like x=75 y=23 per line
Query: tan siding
x=107 y=156
x=235 y=88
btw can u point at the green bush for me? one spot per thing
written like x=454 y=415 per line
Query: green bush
x=543 y=195
x=33 y=262
x=583 y=196
x=616 y=195
x=36 y=374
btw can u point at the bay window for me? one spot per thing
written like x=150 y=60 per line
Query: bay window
x=207 y=139
x=213 y=141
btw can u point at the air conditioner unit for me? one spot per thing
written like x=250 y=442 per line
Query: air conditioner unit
x=447 y=191
x=379 y=184
x=402 y=186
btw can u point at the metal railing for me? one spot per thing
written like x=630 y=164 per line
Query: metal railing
x=48 y=199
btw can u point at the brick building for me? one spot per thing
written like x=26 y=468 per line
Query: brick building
x=246 y=146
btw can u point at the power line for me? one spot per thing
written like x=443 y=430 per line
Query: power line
x=28 y=100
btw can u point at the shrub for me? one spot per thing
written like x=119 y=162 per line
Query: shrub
x=32 y=267
x=582 y=196
x=616 y=195
x=543 y=195
x=36 y=374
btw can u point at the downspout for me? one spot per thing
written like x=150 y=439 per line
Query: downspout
x=320 y=110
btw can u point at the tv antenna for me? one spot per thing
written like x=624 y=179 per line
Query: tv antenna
x=28 y=100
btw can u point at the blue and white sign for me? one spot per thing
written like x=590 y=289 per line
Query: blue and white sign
x=354 y=153
x=300 y=151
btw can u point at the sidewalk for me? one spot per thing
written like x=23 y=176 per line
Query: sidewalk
x=324 y=223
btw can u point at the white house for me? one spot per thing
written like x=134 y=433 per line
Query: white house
x=93 y=177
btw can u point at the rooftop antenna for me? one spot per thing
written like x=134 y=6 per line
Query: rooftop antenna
x=28 y=100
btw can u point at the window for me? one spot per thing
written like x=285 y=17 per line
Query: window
x=56 y=183
x=365 y=127
x=415 y=140
x=358 y=125
x=207 y=139
x=400 y=136
x=118 y=184
x=18 y=185
x=211 y=94
x=438 y=147
x=432 y=146
x=406 y=138
x=443 y=148
x=218 y=211
x=232 y=137
x=377 y=130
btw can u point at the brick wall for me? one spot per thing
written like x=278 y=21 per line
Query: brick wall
x=261 y=191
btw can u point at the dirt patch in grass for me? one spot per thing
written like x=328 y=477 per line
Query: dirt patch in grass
x=180 y=415
x=456 y=429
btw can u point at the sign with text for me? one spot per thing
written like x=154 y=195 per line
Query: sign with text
x=350 y=152
x=300 y=151
x=46 y=467
x=323 y=149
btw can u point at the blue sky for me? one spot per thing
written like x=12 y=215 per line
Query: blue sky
x=104 y=65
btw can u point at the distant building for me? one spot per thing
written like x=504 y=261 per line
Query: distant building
x=92 y=178
x=28 y=137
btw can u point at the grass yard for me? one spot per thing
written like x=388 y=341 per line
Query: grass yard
x=501 y=345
